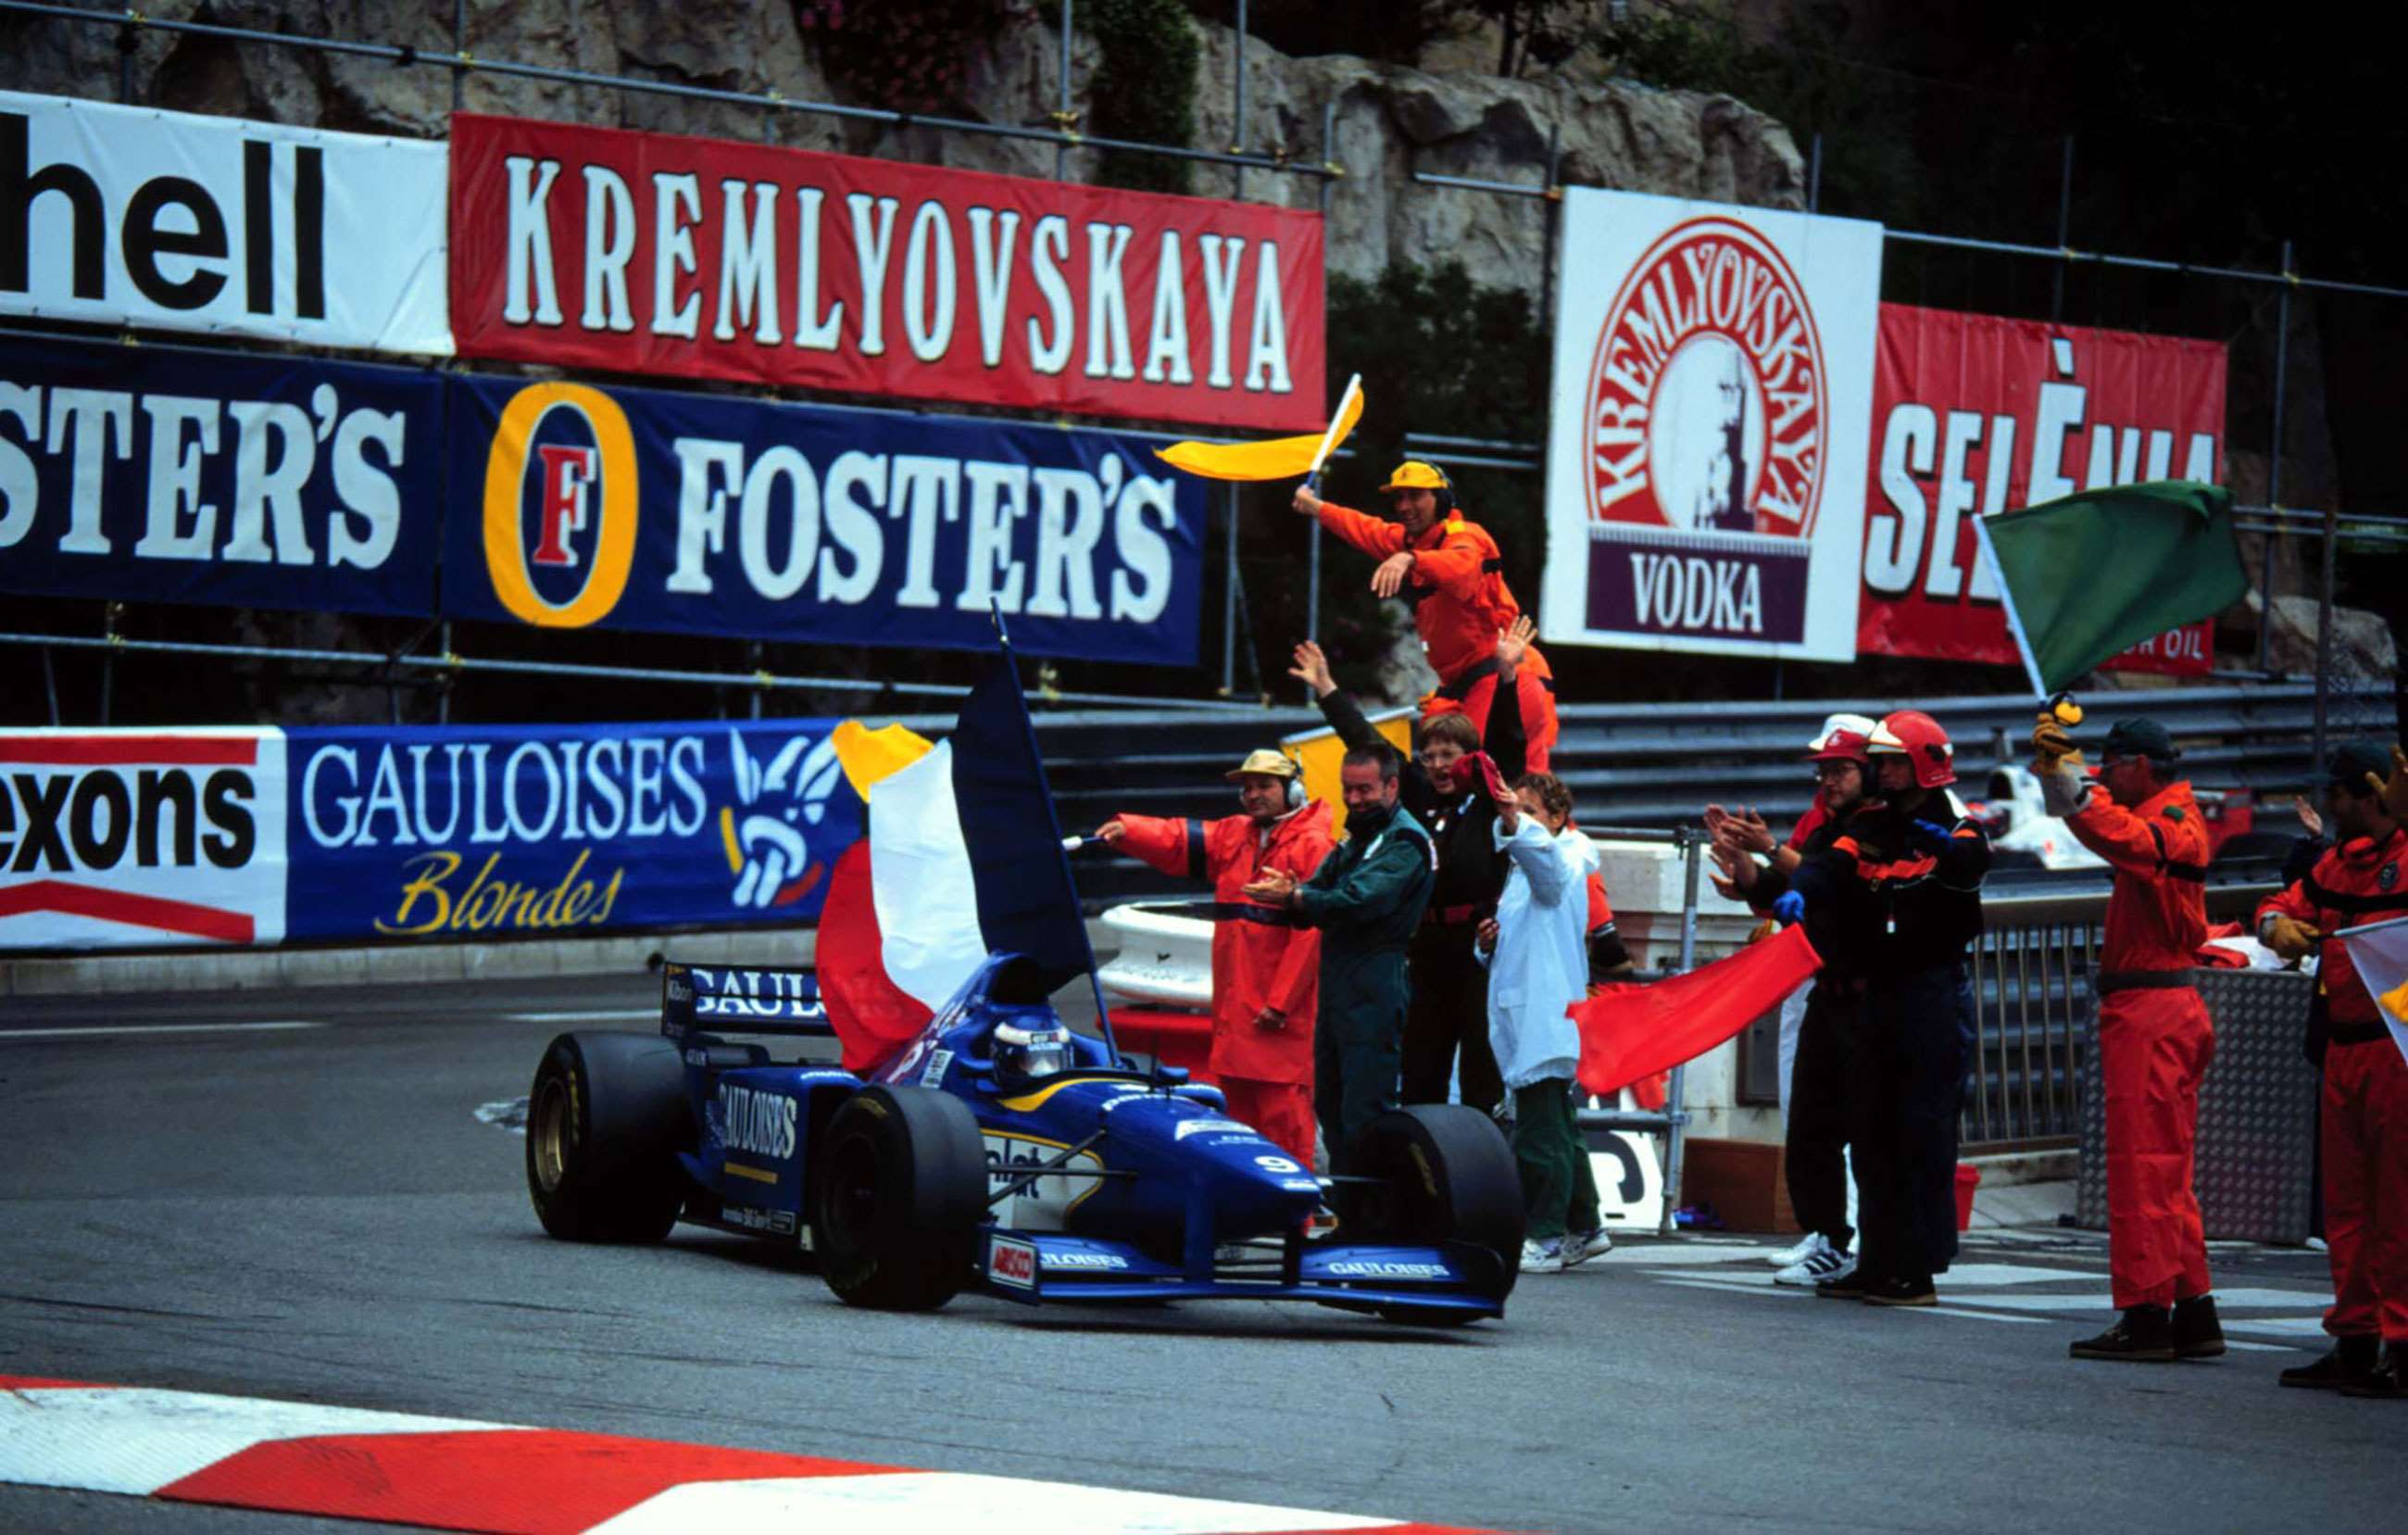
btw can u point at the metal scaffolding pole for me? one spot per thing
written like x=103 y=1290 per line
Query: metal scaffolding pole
x=2274 y=469
x=1062 y=118
x=1238 y=106
x=1230 y=603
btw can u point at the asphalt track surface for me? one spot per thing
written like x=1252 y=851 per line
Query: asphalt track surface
x=319 y=1213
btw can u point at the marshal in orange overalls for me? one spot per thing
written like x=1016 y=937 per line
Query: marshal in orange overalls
x=1259 y=960
x=1460 y=605
x=2155 y=1040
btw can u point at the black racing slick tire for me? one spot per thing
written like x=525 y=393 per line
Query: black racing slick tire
x=1445 y=1176
x=898 y=1193
x=605 y=1118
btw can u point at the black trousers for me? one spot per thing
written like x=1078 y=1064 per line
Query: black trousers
x=1819 y=1110
x=1448 y=1015
x=1909 y=1061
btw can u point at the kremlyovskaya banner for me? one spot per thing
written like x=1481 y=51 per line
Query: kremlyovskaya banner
x=1712 y=391
x=130 y=216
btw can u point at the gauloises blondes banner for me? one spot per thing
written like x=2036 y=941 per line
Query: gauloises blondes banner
x=1973 y=414
x=647 y=252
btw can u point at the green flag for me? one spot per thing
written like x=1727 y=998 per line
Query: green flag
x=2087 y=577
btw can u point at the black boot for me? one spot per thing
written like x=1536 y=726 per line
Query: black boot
x=2197 y=1333
x=1900 y=1291
x=2387 y=1380
x=2145 y=1335
x=2348 y=1361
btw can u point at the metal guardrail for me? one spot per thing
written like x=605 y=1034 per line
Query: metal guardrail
x=2034 y=1010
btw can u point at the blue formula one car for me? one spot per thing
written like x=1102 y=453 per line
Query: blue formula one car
x=999 y=1150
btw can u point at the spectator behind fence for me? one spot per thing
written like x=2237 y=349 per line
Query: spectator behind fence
x=1536 y=969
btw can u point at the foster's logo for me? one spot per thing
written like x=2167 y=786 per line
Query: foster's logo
x=561 y=505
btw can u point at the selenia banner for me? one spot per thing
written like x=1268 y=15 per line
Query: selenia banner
x=127 y=216
x=1976 y=415
x=573 y=505
x=137 y=838
x=1712 y=384
x=159 y=474
x=653 y=253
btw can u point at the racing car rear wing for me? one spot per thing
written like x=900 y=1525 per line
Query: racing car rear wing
x=750 y=1000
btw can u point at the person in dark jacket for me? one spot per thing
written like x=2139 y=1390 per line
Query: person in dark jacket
x=1902 y=891
x=1367 y=898
x=1447 y=1029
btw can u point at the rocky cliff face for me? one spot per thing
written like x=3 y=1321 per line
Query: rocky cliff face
x=1389 y=121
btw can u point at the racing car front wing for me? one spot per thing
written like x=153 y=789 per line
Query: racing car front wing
x=1033 y=1267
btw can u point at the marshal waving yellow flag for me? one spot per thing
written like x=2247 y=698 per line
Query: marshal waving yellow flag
x=1279 y=458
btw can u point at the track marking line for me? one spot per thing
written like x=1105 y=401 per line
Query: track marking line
x=98 y=1030
x=443 y=1473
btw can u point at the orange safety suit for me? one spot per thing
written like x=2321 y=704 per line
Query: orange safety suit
x=1259 y=959
x=1460 y=605
x=2365 y=1127
x=2155 y=1040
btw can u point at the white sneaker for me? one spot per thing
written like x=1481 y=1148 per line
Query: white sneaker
x=1542 y=1258
x=1820 y=1268
x=1798 y=1252
x=1578 y=1247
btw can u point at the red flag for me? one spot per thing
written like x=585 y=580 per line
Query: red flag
x=1629 y=1031
x=871 y=1013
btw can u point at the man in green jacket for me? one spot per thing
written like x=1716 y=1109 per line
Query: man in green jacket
x=1367 y=898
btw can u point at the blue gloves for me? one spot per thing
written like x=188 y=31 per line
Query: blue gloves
x=1930 y=835
x=1790 y=906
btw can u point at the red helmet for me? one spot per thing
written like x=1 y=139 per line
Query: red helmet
x=1839 y=746
x=1918 y=737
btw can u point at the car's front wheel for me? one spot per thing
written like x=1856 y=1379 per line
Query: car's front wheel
x=898 y=1193
x=605 y=1119
x=1445 y=1175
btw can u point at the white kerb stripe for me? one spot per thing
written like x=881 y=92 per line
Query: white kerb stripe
x=920 y=880
x=134 y=1440
x=909 y=1502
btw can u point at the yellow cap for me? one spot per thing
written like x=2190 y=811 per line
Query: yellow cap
x=1262 y=759
x=1415 y=475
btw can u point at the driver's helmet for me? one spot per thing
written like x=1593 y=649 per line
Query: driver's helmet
x=1030 y=1053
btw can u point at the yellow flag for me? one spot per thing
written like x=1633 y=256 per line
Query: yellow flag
x=1279 y=458
x=869 y=756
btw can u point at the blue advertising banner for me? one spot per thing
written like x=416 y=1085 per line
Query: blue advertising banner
x=152 y=475
x=572 y=506
x=466 y=832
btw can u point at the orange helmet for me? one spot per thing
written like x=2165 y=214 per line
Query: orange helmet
x=1918 y=738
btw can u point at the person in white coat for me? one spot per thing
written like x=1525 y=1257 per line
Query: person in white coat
x=1538 y=967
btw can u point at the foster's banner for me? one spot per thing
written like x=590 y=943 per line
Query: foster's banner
x=154 y=475
x=512 y=831
x=1713 y=382
x=1976 y=415
x=125 y=837
x=129 y=216
x=646 y=252
x=574 y=506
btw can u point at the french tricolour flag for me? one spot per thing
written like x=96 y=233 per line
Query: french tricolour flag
x=964 y=859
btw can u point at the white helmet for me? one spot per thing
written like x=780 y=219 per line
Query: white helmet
x=1854 y=724
x=1031 y=1053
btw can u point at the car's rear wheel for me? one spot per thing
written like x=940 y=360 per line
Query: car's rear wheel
x=898 y=1193
x=1445 y=1175
x=605 y=1118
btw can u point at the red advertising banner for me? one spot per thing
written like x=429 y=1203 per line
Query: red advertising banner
x=1973 y=414
x=645 y=252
